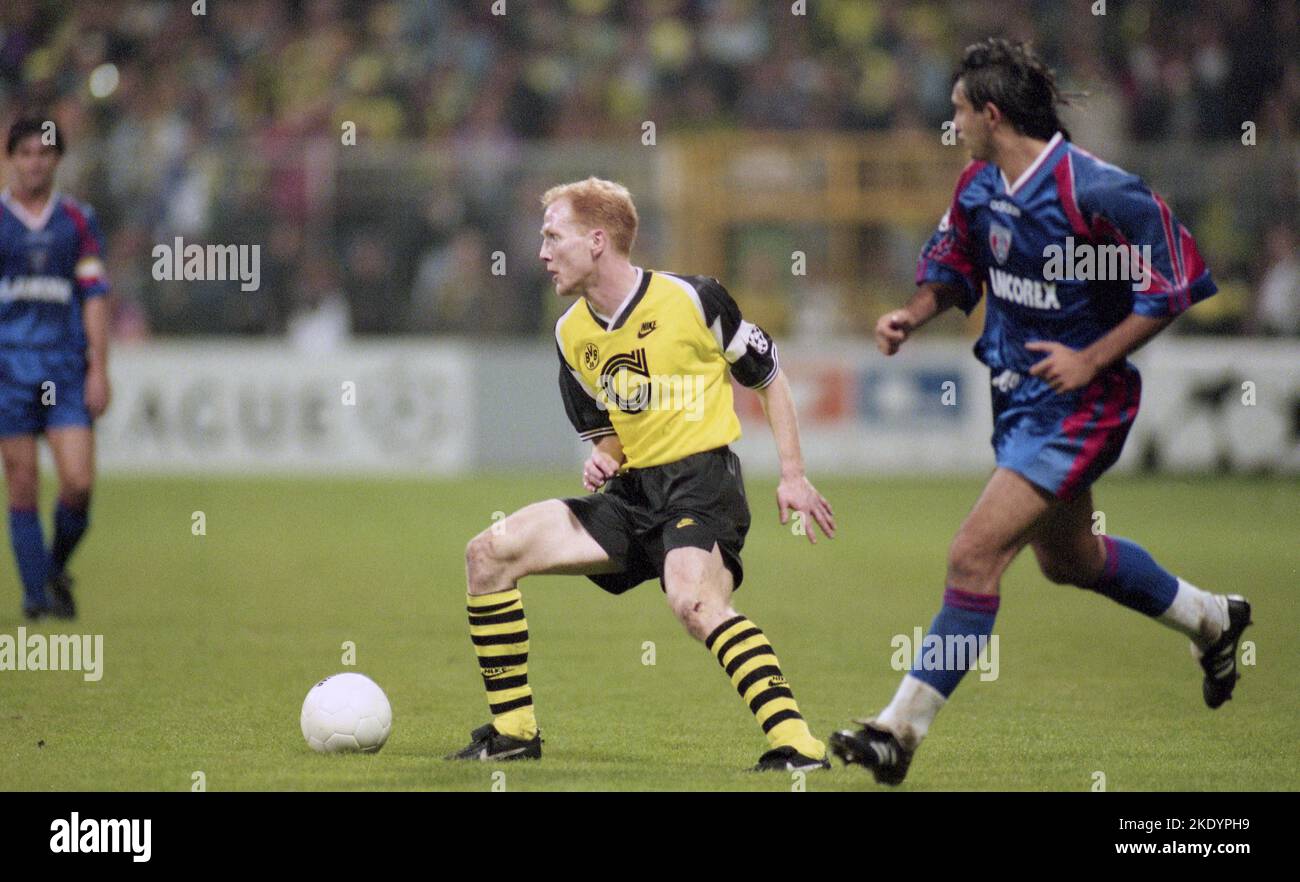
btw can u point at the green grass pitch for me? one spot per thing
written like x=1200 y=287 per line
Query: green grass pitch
x=211 y=642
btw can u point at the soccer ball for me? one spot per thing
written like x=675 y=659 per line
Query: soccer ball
x=346 y=713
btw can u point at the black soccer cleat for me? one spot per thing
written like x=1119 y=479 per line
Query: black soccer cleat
x=488 y=745
x=33 y=611
x=877 y=749
x=1220 y=660
x=59 y=590
x=787 y=759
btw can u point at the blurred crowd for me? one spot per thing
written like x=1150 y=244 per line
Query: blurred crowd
x=232 y=126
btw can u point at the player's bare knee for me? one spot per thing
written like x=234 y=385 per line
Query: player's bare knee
x=473 y=564
x=1058 y=570
x=680 y=600
x=483 y=567
x=22 y=494
x=20 y=479
x=710 y=617
x=19 y=468
x=1077 y=565
x=75 y=494
x=23 y=497
x=971 y=565
x=692 y=608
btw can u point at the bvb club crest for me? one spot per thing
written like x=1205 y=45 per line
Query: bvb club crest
x=1000 y=242
x=591 y=356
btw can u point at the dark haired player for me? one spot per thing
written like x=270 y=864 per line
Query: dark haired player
x=1064 y=395
x=53 y=358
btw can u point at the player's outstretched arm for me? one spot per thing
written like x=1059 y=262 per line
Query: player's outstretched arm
x=929 y=300
x=795 y=490
x=605 y=461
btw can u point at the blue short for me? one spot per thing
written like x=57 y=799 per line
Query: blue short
x=41 y=389
x=1063 y=443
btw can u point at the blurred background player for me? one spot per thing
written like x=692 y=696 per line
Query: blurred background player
x=53 y=358
x=1064 y=394
x=646 y=359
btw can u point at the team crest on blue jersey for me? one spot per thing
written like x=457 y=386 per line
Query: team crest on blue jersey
x=1000 y=242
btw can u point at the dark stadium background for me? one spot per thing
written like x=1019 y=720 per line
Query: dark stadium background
x=227 y=127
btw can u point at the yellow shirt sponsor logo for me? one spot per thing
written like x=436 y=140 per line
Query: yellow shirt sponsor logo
x=661 y=376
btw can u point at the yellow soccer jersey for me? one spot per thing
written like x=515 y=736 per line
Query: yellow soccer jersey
x=656 y=373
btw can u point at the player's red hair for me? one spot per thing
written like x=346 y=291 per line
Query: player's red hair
x=603 y=205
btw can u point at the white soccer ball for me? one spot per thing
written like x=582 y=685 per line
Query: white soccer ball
x=346 y=713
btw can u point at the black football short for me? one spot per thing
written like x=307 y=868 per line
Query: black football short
x=643 y=514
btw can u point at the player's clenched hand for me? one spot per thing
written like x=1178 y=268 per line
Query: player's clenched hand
x=598 y=469
x=892 y=329
x=800 y=495
x=97 y=392
x=1064 y=369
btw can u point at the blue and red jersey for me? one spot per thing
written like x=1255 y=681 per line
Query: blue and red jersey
x=1012 y=240
x=996 y=233
x=49 y=265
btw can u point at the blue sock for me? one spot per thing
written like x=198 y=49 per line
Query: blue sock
x=29 y=551
x=962 y=629
x=1133 y=578
x=69 y=525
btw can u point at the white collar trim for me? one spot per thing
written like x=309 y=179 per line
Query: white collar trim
x=30 y=221
x=1033 y=167
x=609 y=322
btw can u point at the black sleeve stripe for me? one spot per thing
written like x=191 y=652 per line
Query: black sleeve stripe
x=582 y=407
x=709 y=299
x=577 y=378
x=749 y=351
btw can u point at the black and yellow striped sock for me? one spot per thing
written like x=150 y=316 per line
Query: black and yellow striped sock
x=500 y=635
x=747 y=657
